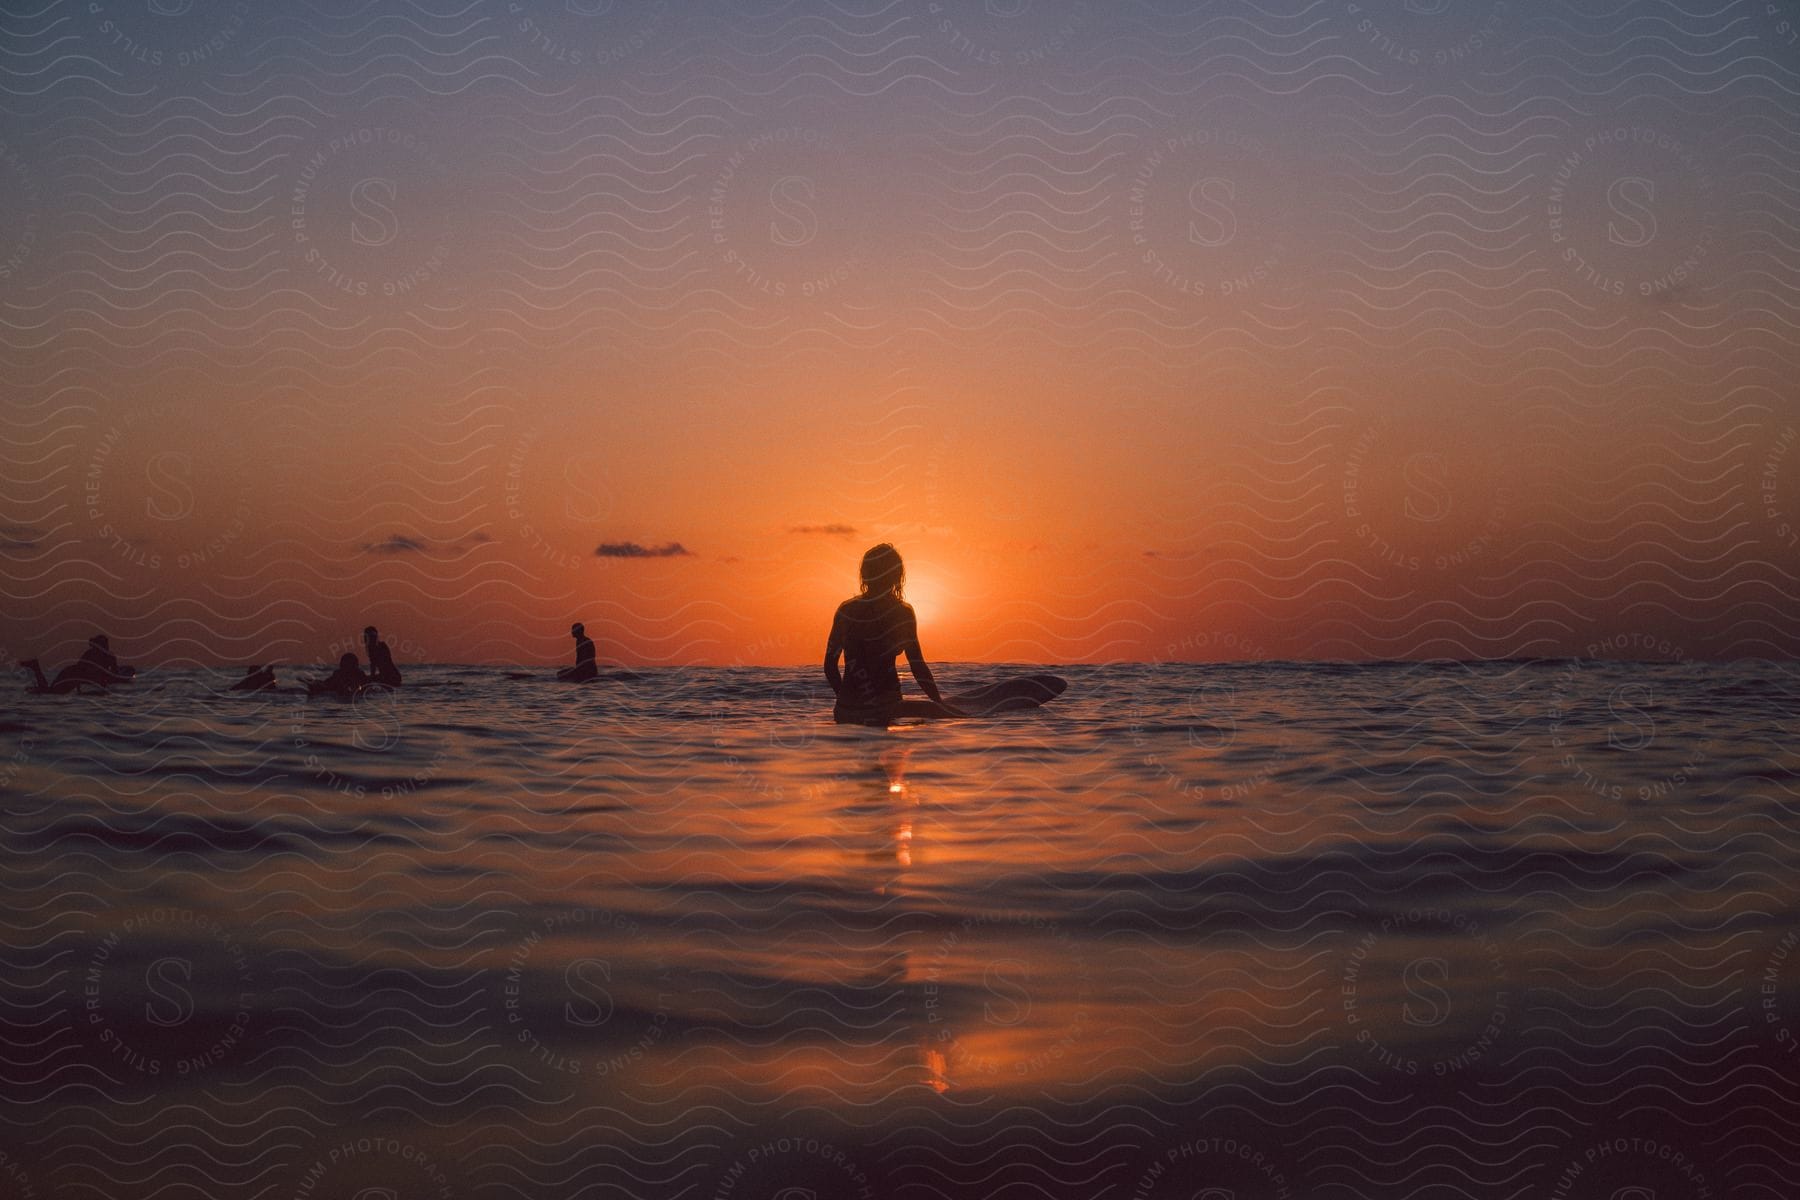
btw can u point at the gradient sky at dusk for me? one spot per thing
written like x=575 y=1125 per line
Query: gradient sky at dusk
x=1146 y=330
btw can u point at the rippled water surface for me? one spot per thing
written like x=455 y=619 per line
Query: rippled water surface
x=1513 y=929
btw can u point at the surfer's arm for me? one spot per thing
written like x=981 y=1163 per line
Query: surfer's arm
x=915 y=658
x=922 y=673
x=921 y=670
x=834 y=646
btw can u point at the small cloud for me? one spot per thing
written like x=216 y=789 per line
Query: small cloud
x=397 y=543
x=830 y=530
x=401 y=543
x=1153 y=554
x=20 y=537
x=635 y=550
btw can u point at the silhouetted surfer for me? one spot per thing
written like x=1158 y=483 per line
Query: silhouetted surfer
x=97 y=667
x=584 y=668
x=381 y=661
x=869 y=630
x=256 y=679
x=347 y=680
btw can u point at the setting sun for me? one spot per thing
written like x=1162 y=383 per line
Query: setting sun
x=925 y=597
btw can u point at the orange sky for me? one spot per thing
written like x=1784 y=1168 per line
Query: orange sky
x=1240 y=513
x=1304 y=362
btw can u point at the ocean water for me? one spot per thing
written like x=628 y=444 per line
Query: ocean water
x=1521 y=929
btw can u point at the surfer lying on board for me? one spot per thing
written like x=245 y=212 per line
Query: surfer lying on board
x=869 y=630
x=584 y=668
x=97 y=667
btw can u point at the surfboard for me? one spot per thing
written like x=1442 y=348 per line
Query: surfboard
x=317 y=687
x=616 y=674
x=1009 y=695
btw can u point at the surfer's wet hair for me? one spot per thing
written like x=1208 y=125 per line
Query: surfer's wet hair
x=882 y=571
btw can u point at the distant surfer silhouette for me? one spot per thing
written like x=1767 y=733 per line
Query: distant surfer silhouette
x=97 y=667
x=256 y=679
x=584 y=668
x=869 y=631
x=347 y=680
x=381 y=661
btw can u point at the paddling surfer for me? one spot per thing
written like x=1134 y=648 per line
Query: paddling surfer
x=97 y=667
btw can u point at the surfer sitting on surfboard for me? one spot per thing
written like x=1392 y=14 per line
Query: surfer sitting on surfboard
x=381 y=660
x=869 y=630
x=584 y=668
